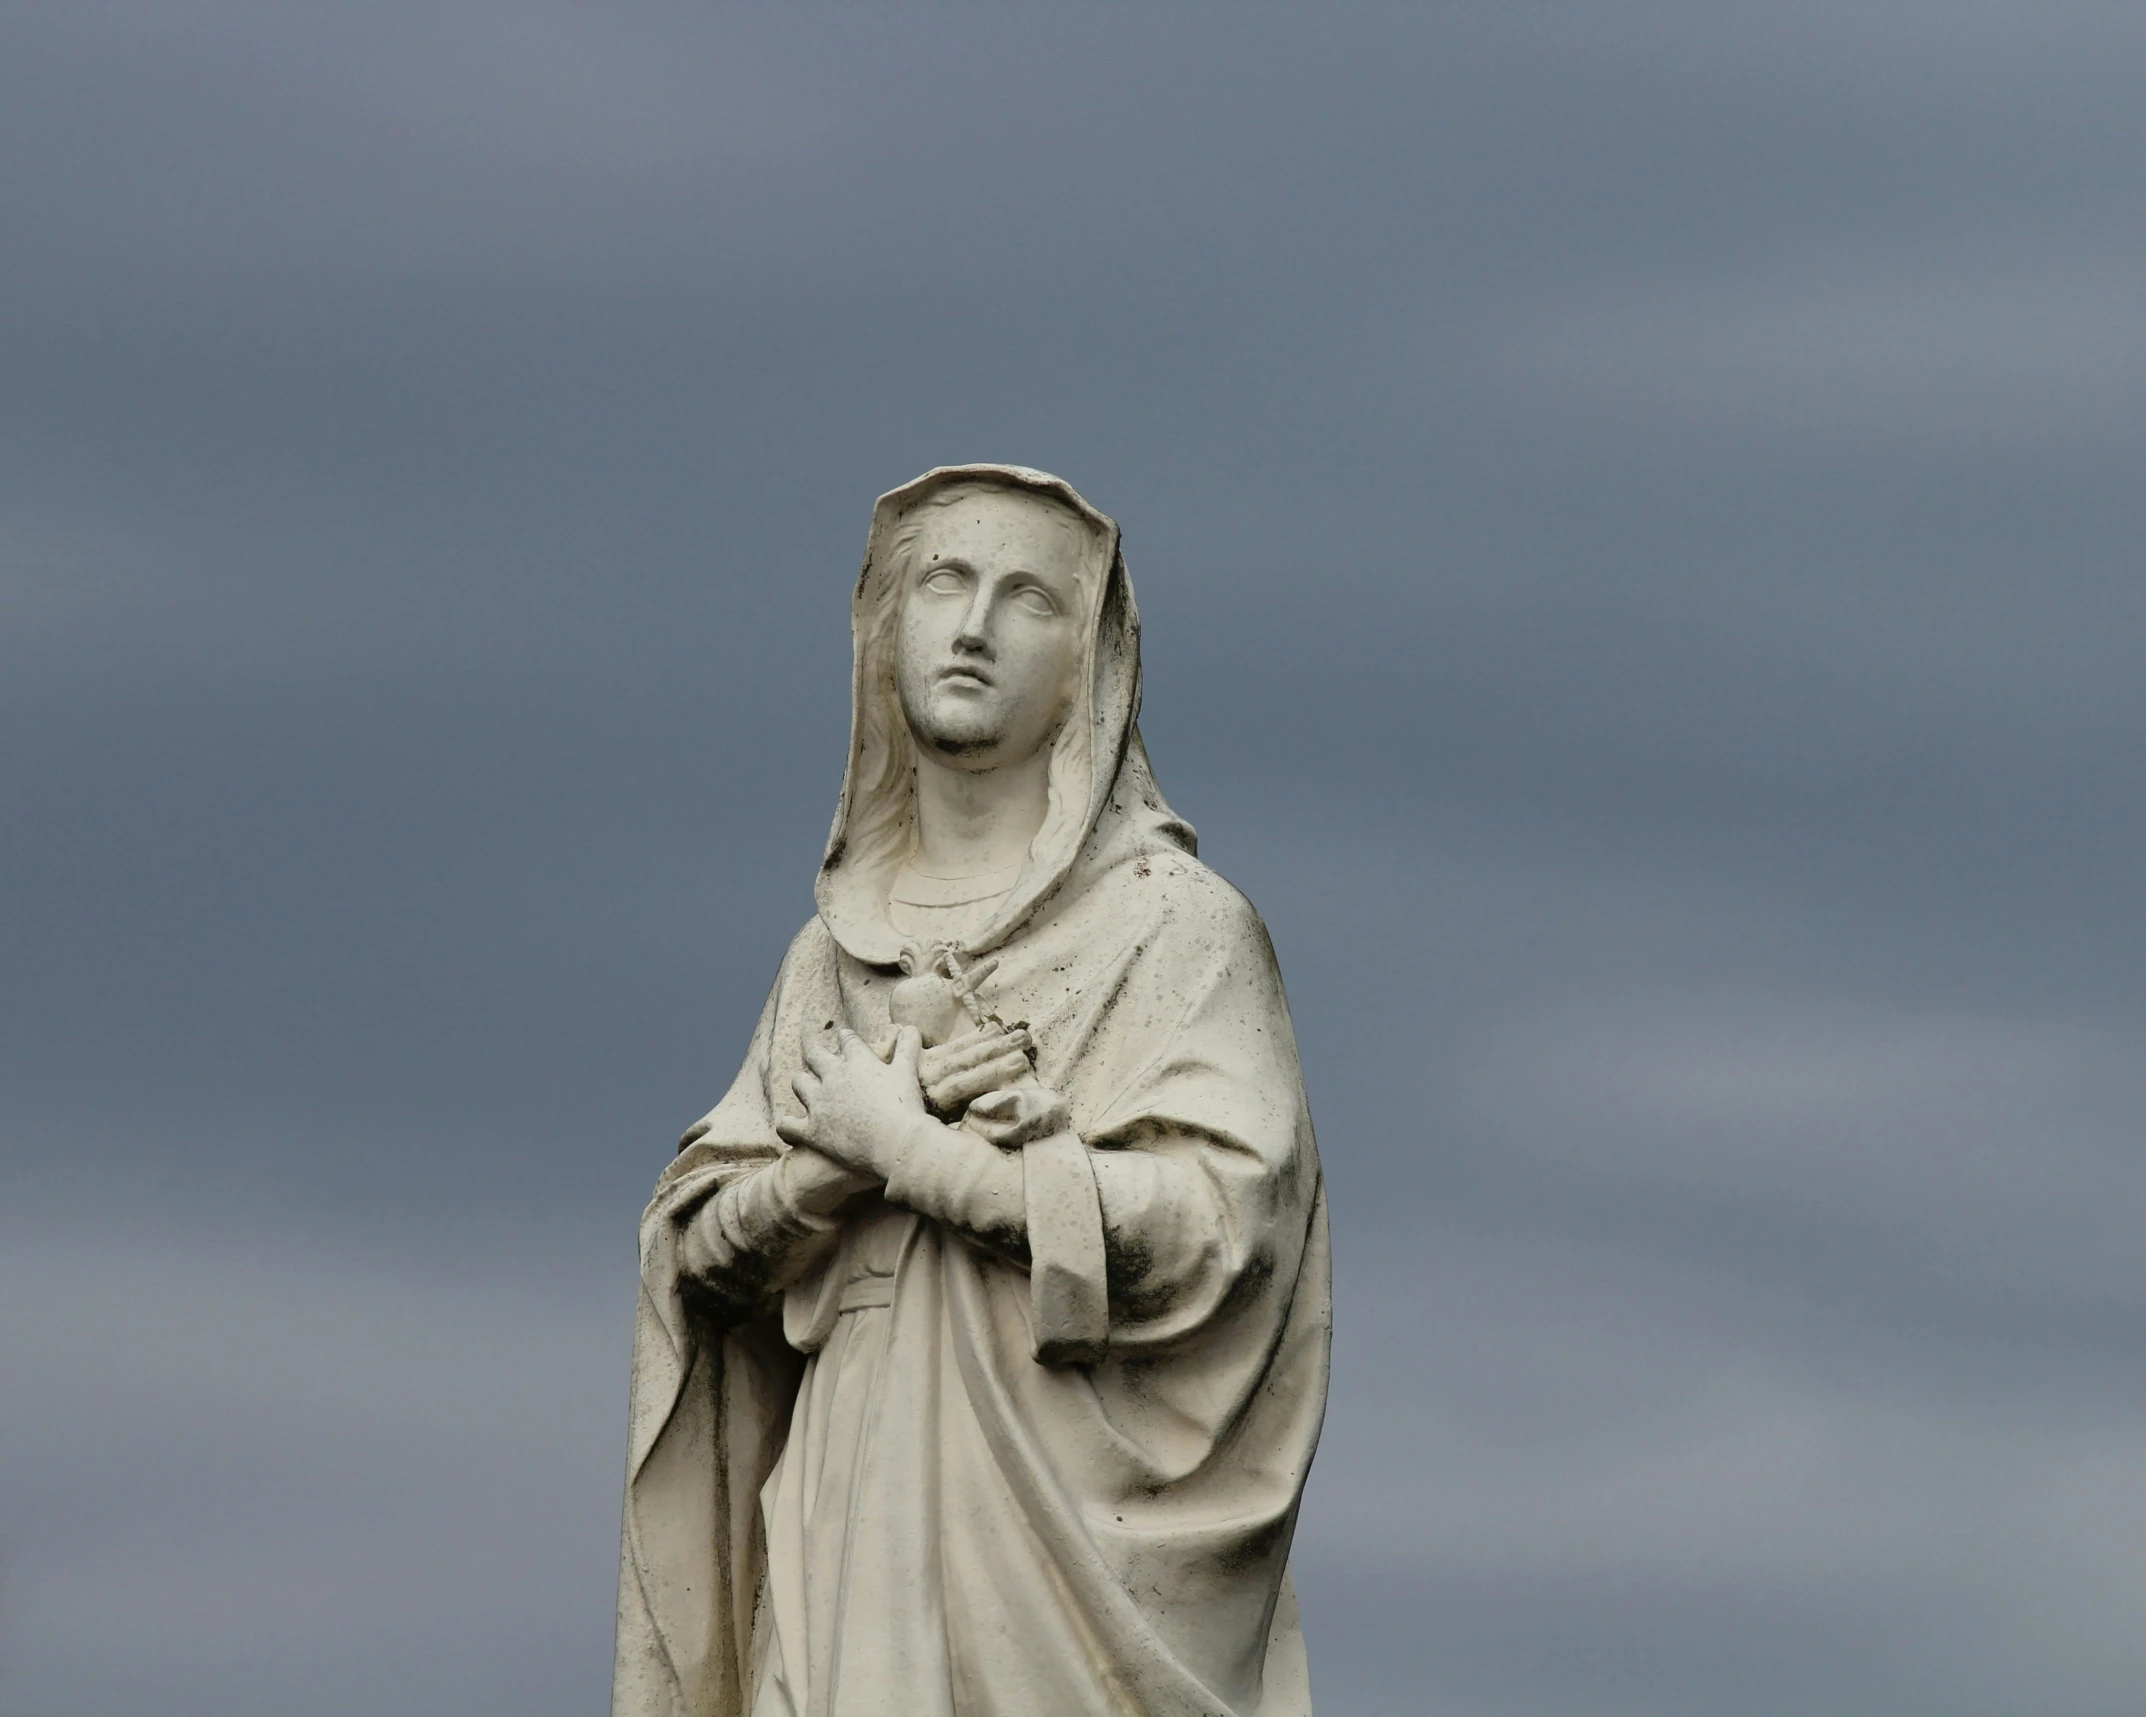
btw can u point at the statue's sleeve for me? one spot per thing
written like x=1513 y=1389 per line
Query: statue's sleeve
x=1205 y=1169
x=712 y=1386
x=729 y=1198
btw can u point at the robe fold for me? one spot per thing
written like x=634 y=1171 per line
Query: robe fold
x=880 y=1467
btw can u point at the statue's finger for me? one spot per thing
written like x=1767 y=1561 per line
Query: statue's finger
x=934 y=1065
x=908 y=1046
x=982 y=1048
x=985 y=1048
x=1006 y=1070
x=807 y=1087
x=957 y=1088
x=794 y=1131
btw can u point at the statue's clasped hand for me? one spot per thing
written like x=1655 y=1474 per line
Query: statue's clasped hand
x=860 y=1111
x=987 y=1073
x=987 y=1058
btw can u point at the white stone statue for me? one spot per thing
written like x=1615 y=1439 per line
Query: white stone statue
x=983 y=1332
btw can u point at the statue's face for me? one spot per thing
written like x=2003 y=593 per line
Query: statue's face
x=991 y=632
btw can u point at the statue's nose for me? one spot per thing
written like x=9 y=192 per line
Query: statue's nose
x=975 y=631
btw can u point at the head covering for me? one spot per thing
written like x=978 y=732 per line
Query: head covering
x=1104 y=803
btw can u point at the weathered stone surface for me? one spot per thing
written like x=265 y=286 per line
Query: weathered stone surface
x=983 y=1333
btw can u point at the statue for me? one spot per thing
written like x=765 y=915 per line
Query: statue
x=982 y=1344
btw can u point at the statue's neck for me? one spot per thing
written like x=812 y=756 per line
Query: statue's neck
x=973 y=821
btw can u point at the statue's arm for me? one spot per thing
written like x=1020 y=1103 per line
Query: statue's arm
x=862 y=1122
x=1134 y=1241
x=1199 y=1159
x=1197 y=1169
x=1210 y=1174
x=767 y=1224
x=748 y=1215
x=965 y=1183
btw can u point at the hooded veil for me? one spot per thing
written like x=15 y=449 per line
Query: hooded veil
x=1100 y=781
x=1069 y=1479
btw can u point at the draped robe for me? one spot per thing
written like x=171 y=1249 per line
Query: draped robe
x=881 y=1466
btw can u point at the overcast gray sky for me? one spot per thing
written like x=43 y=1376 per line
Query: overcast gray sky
x=1638 y=513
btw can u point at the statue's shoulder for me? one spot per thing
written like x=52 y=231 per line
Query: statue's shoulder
x=1182 y=896
x=808 y=964
x=815 y=942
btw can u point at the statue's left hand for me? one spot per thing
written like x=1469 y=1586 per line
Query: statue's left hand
x=859 y=1110
x=980 y=1060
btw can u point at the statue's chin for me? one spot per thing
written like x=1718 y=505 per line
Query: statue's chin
x=963 y=750
x=965 y=737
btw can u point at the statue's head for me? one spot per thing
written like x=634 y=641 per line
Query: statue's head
x=993 y=621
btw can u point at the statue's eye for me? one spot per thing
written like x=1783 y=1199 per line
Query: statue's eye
x=944 y=582
x=1036 y=601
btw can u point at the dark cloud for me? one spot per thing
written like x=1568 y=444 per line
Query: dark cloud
x=1635 y=520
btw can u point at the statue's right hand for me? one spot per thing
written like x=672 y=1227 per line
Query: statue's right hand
x=985 y=1059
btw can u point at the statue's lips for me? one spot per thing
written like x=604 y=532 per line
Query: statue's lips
x=966 y=678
